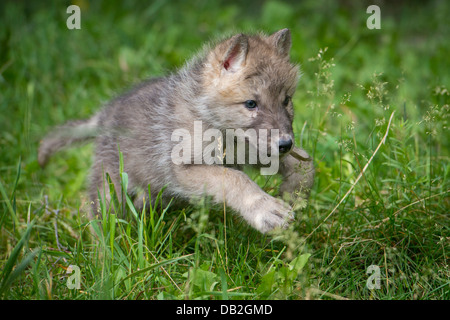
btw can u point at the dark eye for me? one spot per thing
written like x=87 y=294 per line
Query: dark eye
x=286 y=100
x=251 y=104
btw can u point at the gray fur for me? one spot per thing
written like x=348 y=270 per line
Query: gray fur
x=212 y=88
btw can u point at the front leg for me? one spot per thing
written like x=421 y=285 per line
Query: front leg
x=238 y=191
x=298 y=174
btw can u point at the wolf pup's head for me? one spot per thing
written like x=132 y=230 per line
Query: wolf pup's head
x=249 y=83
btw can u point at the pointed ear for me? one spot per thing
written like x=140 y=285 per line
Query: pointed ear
x=236 y=53
x=282 y=41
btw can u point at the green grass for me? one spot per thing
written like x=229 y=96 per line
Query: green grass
x=395 y=216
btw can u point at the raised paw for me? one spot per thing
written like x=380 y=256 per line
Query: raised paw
x=271 y=213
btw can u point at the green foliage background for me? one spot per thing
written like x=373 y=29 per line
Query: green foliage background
x=396 y=217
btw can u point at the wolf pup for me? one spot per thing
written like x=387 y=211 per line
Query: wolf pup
x=243 y=82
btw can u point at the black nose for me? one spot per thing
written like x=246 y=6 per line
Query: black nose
x=285 y=145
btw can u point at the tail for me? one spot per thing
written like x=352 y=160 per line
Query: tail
x=72 y=132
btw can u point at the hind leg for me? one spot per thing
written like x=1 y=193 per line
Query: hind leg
x=104 y=177
x=298 y=176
